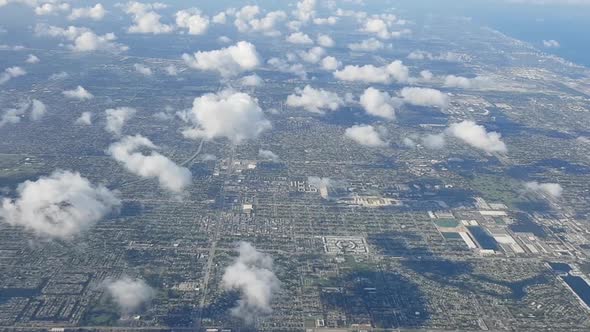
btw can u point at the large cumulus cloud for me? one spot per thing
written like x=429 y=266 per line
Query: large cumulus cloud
x=253 y=276
x=232 y=115
x=60 y=205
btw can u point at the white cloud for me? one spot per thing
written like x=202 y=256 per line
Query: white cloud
x=142 y=69
x=85 y=119
x=145 y=19
x=84 y=39
x=251 y=80
x=551 y=43
x=553 y=190
x=330 y=63
x=61 y=205
x=452 y=81
x=129 y=294
x=426 y=75
x=365 y=135
x=395 y=71
x=331 y=20
x=14 y=115
x=424 y=97
x=315 y=100
x=233 y=115
x=78 y=93
x=477 y=136
x=59 y=76
x=299 y=38
x=193 y=20
x=434 y=141
x=220 y=18
x=253 y=276
x=38 y=110
x=229 y=61
x=313 y=55
x=95 y=13
x=325 y=41
x=50 y=8
x=378 y=103
x=305 y=10
x=32 y=58
x=117 y=117
x=381 y=27
x=10 y=73
x=224 y=40
x=268 y=155
x=247 y=20
x=367 y=45
x=170 y=176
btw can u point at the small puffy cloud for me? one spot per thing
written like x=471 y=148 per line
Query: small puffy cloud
x=452 y=81
x=477 y=136
x=367 y=45
x=170 y=176
x=220 y=18
x=551 y=43
x=78 y=93
x=95 y=13
x=32 y=59
x=233 y=115
x=424 y=97
x=378 y=103
x=331 y=20
x=299 y=38
x=83 y=39
x=325 y=41
x=14 y=115
x=145 y=19
x=330 y=63
x=426 y=75
x=116 y=118
x=51 y=8
x=268 y=155
x=229 y=61
x=10 y=73
x=434 y=141
x=553 y=190
x=305 y=10
x=313 y=55
x=193 y=20
x=38 y=110
x=59 y=76
x=85 y=119
x=142 y=69
x=251 y=80
x=381 y=27
x=315 y=100
x=252 y=275
x=365 y=135
x=247 y=20
x=395 y=71
x=60 y=205
x=129 y=294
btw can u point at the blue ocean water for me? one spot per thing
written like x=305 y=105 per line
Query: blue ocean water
x=533 y=23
